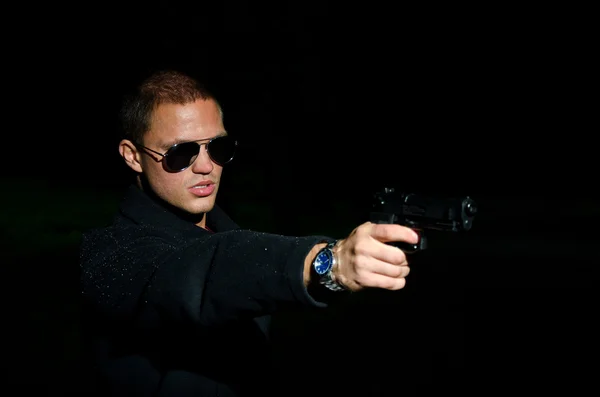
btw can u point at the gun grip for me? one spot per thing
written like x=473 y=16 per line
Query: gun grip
x=411 y=248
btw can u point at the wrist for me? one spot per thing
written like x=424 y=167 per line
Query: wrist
x=309 y=274
x=323 y=267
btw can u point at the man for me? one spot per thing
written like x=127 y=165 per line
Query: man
x=176 y=293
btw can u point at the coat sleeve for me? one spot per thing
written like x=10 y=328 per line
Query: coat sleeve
x=206 y=281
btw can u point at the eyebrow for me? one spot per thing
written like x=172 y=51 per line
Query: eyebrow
x=168 y=145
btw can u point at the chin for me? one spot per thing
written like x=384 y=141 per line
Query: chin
x=202 y=208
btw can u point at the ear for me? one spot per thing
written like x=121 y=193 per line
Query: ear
x=130 y=154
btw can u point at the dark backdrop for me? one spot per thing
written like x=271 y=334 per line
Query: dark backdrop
x=330 y=103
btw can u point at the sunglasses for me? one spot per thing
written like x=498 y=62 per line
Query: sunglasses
x=181 y=155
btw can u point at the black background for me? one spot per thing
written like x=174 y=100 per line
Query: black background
x=331 y=102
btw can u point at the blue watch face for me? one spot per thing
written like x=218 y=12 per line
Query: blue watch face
x=323 y=262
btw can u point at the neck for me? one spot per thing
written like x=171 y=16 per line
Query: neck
x=196 y=219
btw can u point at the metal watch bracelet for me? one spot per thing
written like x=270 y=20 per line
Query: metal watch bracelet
x=327 y=279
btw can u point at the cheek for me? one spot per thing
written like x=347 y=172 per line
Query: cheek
x=159 y=179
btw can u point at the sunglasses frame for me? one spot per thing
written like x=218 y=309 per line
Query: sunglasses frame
x=172 y=148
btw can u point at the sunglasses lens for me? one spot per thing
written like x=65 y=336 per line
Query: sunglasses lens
x=181 y=156
x=222 y=149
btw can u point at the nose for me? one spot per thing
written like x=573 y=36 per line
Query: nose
x=203 y=164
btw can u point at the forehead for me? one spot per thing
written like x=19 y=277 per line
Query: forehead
x=172 y=123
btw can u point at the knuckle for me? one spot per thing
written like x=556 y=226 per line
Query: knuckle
x=380 y=230
x=401 y=283
x=360 y=248
x=399 y=272
x=361 y=266
x=392 y=284
x=365 y=228
x=400 y=257
x=386 y=232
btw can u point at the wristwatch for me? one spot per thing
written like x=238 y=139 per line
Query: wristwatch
x=323 y=265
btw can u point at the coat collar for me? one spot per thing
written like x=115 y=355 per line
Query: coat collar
x=143 y=209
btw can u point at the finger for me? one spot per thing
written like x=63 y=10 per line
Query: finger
x=389 y=254
x=374 y=280
x=393 y=232
x=388 y=269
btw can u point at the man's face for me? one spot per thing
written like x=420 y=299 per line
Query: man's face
x=194 y=189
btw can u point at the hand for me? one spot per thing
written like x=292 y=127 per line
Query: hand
x=364 y=260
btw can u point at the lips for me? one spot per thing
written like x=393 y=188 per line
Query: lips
x=203 y=189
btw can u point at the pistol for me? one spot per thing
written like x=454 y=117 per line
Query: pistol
x=421 y=213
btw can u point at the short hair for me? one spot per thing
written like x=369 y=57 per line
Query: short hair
x=164 y=86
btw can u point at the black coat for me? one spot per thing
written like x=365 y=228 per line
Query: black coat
x=172 y=309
